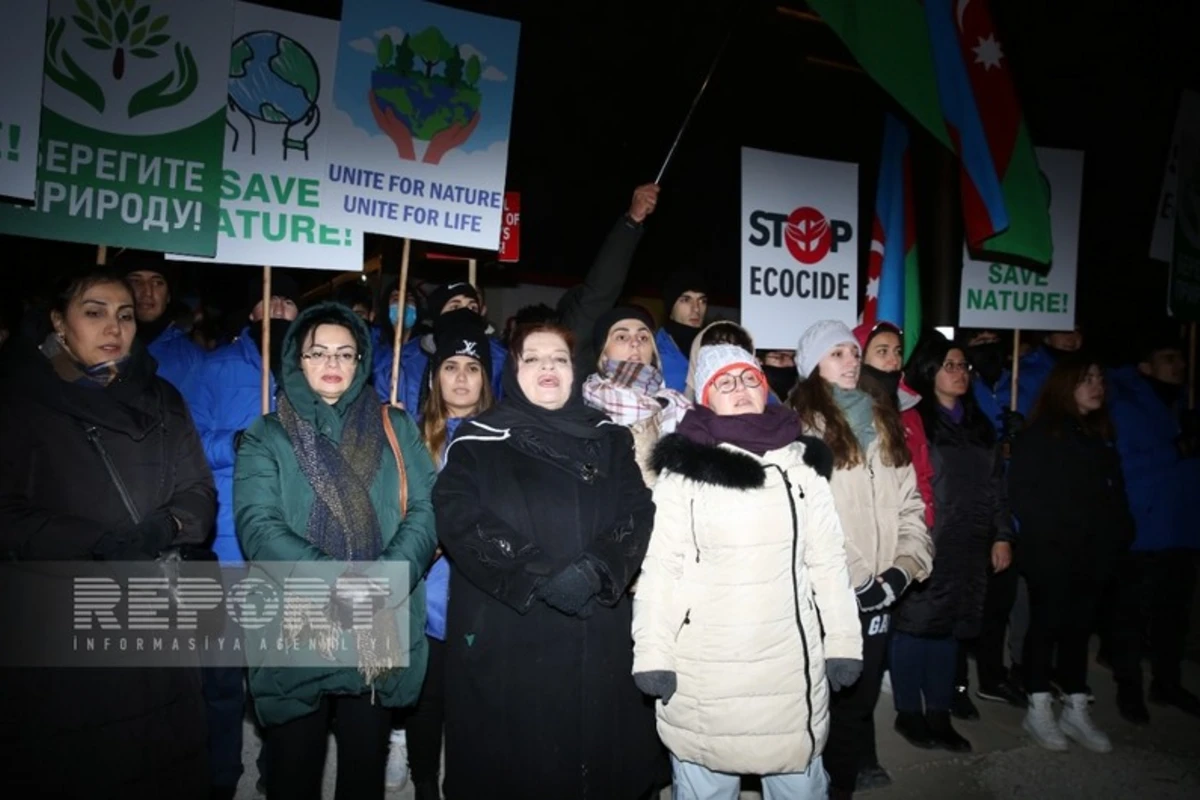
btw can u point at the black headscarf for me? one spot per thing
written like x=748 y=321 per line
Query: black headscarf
x=575 y=419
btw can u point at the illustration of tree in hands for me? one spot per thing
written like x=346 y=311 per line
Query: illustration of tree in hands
x=423 y=89
x=125 y=28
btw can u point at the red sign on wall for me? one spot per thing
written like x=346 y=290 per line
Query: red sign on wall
x=510 y=229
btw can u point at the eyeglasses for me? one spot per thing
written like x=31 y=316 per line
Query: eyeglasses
x=342 y=357
x=728 y=383
x=956 y=366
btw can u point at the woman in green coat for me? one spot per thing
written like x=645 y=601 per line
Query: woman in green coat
x=317 y=485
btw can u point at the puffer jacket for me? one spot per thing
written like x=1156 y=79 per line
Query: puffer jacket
x=918 y=446
x=745 y=566
x=883 y=517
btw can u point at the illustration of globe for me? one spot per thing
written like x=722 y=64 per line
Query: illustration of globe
x=272 y=77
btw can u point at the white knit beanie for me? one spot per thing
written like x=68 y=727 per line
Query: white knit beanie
x=817 y=341
x=713 y=360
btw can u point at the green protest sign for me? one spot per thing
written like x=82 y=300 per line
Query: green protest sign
x=133 y=125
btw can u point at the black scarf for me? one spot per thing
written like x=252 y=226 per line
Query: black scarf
x=781 y=380
x=684 y=335
x=988 y=360
x=342 y=522
x=888 y=381
x=775 y=427
x=575 y=419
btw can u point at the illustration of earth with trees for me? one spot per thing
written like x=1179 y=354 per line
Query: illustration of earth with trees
x=423 y=89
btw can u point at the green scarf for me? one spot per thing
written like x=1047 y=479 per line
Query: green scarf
x=859 y=409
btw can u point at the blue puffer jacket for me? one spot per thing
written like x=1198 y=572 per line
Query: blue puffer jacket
x=674 y=362
x=413 y=361
x=1035 y=368
x=177 y=356
x=225 y=392
x=437 y=582
x=1162 y=486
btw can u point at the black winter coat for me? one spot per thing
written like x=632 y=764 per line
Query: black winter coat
x=1068 y=496
x=970 y=514
x=538 y=703
x=99 y=732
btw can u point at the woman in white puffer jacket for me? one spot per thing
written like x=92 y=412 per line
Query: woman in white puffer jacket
x=746 y=562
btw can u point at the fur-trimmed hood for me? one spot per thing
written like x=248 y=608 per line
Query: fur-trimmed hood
x=733 y=469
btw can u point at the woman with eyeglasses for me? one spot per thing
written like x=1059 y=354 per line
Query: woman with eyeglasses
x=744 y=608
x=543 y=513
x=628 y=382
x=329 y=478
x=1069 y=496
x=883 y=516
x=971 y=531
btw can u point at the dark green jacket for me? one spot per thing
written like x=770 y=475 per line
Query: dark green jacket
x=272 y=498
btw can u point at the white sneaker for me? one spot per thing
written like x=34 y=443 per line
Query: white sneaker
x=1077 y=723
x=397 y=764
x=1041 y=725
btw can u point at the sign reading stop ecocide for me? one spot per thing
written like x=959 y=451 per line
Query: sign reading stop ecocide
x=799 y=245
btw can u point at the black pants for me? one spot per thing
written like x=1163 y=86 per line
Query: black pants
x=296 y=754
x=989 y=647
x=1061 y=614
x=851 y=743
x=1154 y=600
x=424 y=723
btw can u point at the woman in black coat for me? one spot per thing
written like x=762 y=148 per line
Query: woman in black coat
x=542 y=510
x=89 y=395
x=1069 y=497
x=971 y=532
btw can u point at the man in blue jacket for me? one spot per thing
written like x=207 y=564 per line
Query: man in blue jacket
x=685 y=296
x=1160 y=459
x=173 y=349
x=225 y=392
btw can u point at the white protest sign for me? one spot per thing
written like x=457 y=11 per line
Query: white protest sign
x=799 y=244
x=420 y=124
x=1010 y=298
x=1162 y=245
x=22 y=50
x=280 y=93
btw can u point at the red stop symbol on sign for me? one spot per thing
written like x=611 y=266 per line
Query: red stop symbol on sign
x=807 y=235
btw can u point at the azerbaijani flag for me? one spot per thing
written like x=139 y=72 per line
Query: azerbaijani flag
x=893 y=288
x=943 y=64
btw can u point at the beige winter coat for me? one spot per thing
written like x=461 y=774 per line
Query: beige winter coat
x=740 y=561
x=883 y=517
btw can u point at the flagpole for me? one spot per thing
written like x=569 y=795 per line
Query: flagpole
x=695 y=102
x=399 y=327
x=1016 y=368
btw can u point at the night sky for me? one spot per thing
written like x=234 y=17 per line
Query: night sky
x=602 y=87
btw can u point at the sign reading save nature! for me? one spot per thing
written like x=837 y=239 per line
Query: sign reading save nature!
x=133 y=123
x=1007 y=297
x=419 y=130
x=280 y=88
x=22 y=44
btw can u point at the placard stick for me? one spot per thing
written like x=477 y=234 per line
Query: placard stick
x=1192 y=367
x=399 y=332
x=101 y=255
x=266 y=340
x=1016 y=368
x=471 y=266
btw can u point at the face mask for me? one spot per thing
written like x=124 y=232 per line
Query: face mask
x=890 y=381
x=410 y=316
x=988 y=360
x=781 y=379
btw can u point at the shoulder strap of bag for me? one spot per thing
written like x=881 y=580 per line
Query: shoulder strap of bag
x=391 y=437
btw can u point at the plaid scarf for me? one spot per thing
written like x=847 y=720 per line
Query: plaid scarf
x=98 y=376
x=630 y=392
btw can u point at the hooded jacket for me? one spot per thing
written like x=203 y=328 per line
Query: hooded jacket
x=272 y=499
x=744 y=594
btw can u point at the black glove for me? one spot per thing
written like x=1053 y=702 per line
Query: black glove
x=884 y=591
x=141 y=542
x=661 y=683
x=842 y=672
x=572 y=587
x=1011 y=423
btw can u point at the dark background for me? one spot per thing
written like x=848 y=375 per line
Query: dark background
x=602 y=87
